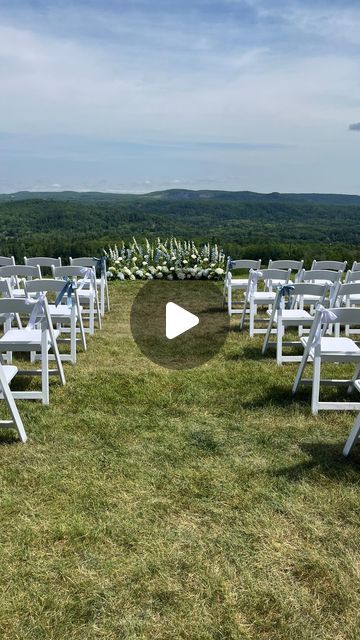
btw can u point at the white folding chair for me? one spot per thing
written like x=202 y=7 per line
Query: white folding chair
x=329 y=265
x=5 y=292
x=6 y=261
x=321 y=276
x=32 y=339
x=354 y=435
x=356 y=266
x=14 y=272
x=237 y=284
x=87 y=292
x=294 y=316
x=319 y=349
x=296 y=267
x=66 y=316
x=99 y=264
x=7 y=373
x=348 y=296
x=43 y=262
x=255 y=298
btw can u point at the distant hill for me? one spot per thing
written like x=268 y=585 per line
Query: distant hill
x=187 y=195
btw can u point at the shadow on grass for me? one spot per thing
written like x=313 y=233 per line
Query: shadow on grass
x=278 y=397
x=327 y=459
x=249 y=353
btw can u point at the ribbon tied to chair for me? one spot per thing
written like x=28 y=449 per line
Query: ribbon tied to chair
x=38 y=309
x=326 y=317
x=101 y=265
x=285 y=290
x=254 y=277
x=88 y=275
x=67 y=290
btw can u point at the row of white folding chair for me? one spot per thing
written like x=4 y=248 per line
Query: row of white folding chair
x=294 y=315
x=102 y=283
x=265 y=298
x=319 y=349
x=66 y=317
x=237 y=284
x=88 y=262
x=85 y=279
x=39 y=337
x=49 y=263
x=89 y=292
x=232 y=284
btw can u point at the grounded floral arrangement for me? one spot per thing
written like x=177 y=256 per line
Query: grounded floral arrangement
x=171 y=260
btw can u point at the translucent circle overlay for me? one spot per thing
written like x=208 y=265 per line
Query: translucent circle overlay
x=192 y=348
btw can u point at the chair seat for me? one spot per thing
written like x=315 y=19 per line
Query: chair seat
x=62 y=310
x=9 y=371
x=264 y=296
x=336 y=347
x=20 y=293
x=294 y=315
x=309 y=298
x=238 y=282
x=355 y=298
x=357 y=385
x=31 y=337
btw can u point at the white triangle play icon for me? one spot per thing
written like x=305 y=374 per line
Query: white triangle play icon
x=178 y=320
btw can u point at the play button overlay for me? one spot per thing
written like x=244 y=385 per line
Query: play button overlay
x=178 y=320
x=179 y=324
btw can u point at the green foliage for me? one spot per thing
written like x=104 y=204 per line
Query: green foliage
x=244 y=229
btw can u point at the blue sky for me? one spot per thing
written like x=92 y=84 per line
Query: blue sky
x=140 y=95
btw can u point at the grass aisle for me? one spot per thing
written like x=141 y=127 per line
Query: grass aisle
x=153 y=504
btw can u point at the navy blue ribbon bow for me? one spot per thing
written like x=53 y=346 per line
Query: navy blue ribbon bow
x=101 y=264
x=285 y=290
x=67 y=291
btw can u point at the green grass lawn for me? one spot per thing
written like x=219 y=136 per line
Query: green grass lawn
x=198 y=505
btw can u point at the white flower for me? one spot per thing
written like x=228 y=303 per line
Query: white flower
x=172 y=268
x=170 y=277
x=112 y=269
x=193 y=256
x=139 y=273
x=127 y=271
x=185 y=261
x=132 y=277
x=109 y=274
x=134 y=259
x=206 y=259
x=219 y=271
x=144 y=264
x=173 y=257
x=120 y=276
x=149 y=276
x=165 y=270
x=180 y=275
x=159 y=275
x=213 y=264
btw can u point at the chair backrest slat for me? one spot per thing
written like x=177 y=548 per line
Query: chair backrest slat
x=6 y=261
x=330 y=265
x=294 y=265
x=20 y=271
x=43 y=261
x=320 y=274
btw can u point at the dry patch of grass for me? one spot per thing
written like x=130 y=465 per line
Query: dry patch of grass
x=155 y=504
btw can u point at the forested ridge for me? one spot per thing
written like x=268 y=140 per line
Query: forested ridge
x=84 y=225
